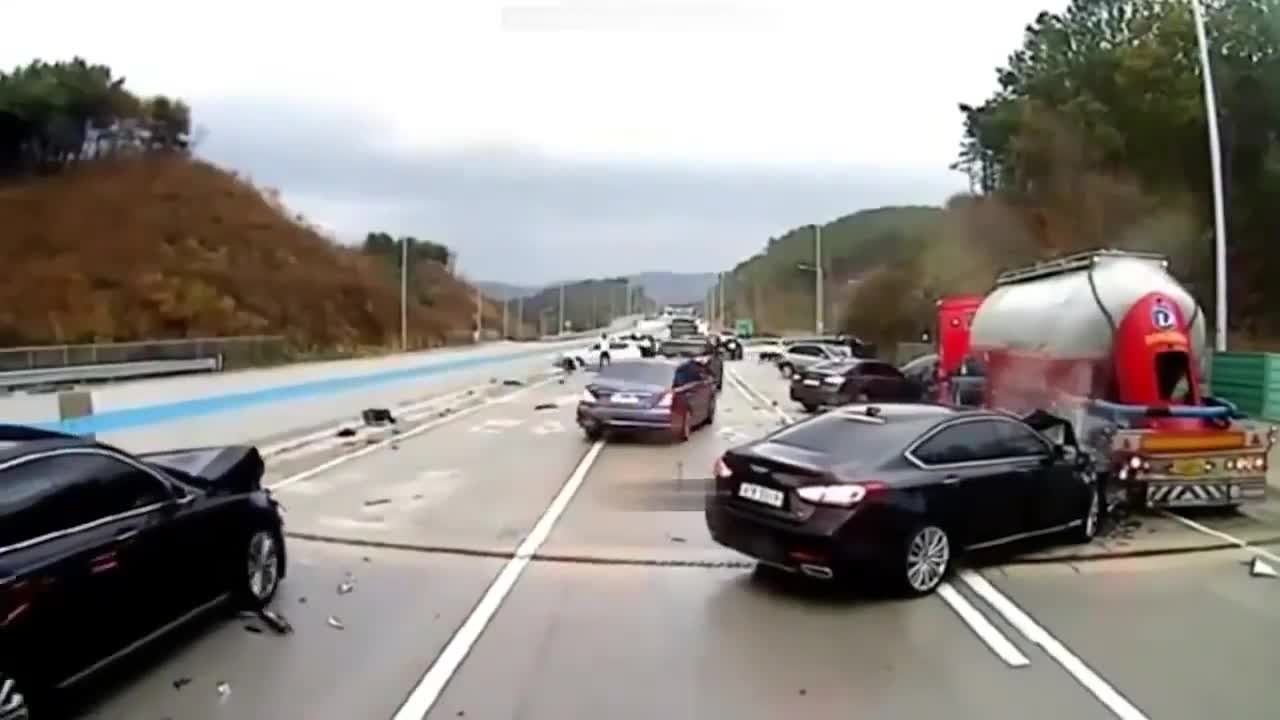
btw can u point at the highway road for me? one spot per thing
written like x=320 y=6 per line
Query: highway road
x=501 y=566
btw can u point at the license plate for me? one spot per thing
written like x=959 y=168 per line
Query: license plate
x=812 y=382
x=760 y=494
x=623 y=399
x=1187 y=467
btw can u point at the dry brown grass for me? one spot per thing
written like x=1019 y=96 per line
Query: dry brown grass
x=165 y=246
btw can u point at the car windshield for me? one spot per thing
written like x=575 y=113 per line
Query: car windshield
x=649 y=373
x=844 y=439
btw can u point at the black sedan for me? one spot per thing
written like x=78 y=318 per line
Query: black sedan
x=844 y=381
x=672 y=396
x=700 y=348
x=109 y=551
x=900 y=490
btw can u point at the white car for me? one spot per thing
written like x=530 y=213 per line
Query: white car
x=601 y=353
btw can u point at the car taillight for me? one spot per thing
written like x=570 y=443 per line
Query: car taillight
x=722 y=470
x=845 y=495
x=665 y=400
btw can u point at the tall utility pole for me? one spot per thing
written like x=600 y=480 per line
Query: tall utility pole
x=479 y=317
x=560 y=327
x=820 y=301
x=1215 y=162
x=520 y=317
x=404 y=294
x=724 y=324
x=627 y=304
x=506 y=307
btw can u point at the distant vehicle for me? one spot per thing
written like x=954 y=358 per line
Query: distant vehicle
x=901 y=490
x=103 y=552
x=682 y=327
x=769 y=350
x=923 y=371
x=798 y=357
x=731 y=347
x=601 y=353
x=699 y=347
x=673 y=396
x=856 y=346
x=841 y=382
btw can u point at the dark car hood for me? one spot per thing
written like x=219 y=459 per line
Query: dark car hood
x=227 y=469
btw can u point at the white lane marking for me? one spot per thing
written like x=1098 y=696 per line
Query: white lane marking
x=428 y=691
x=754 y=396
x=295 y=443
x=1074 y=666
x=1242 y=544
x=997 y=641
x=999 y=644
x=312 y=472
x=496 y=425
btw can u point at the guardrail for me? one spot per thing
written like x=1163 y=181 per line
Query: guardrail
x=236 y=352
x=14 y=379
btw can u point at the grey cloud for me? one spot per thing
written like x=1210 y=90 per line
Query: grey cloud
x=522 y=217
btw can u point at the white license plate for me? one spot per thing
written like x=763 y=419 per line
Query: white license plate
x=625 y=399
x=812 y=382
x=760 y=494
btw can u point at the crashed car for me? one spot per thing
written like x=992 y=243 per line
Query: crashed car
x=900 y=490
x=839 y=382
x=671 y=396
x=111 y=550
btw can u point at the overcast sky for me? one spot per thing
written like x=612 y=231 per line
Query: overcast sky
x=551 y=139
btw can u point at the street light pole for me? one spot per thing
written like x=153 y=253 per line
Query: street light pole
x=404 y=294
x=560 y=327
x=819 y=301
x=1215 y=162
x=724 y=325
x=506 y=307
x=479 y=318
x=520 y=317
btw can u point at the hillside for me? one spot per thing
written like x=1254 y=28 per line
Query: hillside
x=162 y=246
x=672 y=288
x=505 y=291
x=775 y=290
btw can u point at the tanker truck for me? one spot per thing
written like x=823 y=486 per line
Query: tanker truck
x=1110 y=341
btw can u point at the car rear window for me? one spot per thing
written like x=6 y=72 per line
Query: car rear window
x=648 y=373
x=842 y=438
x=684 y=348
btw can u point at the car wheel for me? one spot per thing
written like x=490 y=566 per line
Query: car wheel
x=809 y=407
x=926 y=559
x=14 y=703
x=593 y=434
x=263 y=568
x=711 y=412
x=1088 y=528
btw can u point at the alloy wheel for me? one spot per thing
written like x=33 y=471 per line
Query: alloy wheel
x=928 y=556
x=13 y=704
x=263 y=565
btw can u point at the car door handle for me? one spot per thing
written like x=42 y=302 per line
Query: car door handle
x=951 y=479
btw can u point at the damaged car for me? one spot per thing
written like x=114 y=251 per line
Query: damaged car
x=114 y=550
x=670 y=396
x=901 y=490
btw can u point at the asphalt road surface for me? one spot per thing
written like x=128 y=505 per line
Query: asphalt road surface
x=501 y=566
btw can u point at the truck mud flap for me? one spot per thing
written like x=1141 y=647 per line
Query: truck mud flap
x=1204 y=494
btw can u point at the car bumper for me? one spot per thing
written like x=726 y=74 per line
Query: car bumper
x=831 y=538
x=815 y=395
x=595 y=417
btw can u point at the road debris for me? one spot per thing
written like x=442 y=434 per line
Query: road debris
x=224 y=690
x=346 y=586
x=376 y=501
x=377 y=417
x=181 y=683
x=253 y=629
x=276 y=621
x=1259 y=568
x=545 y=406
x=511 y=382
x=336 y=623
x=345 y=432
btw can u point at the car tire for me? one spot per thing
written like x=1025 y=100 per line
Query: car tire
x=809 y=407
x=259 y=568
x=593 y=434
x=924 y=560
x=1087 y=530
x=711 y=413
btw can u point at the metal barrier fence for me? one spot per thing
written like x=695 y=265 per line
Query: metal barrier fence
x=236 y=352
